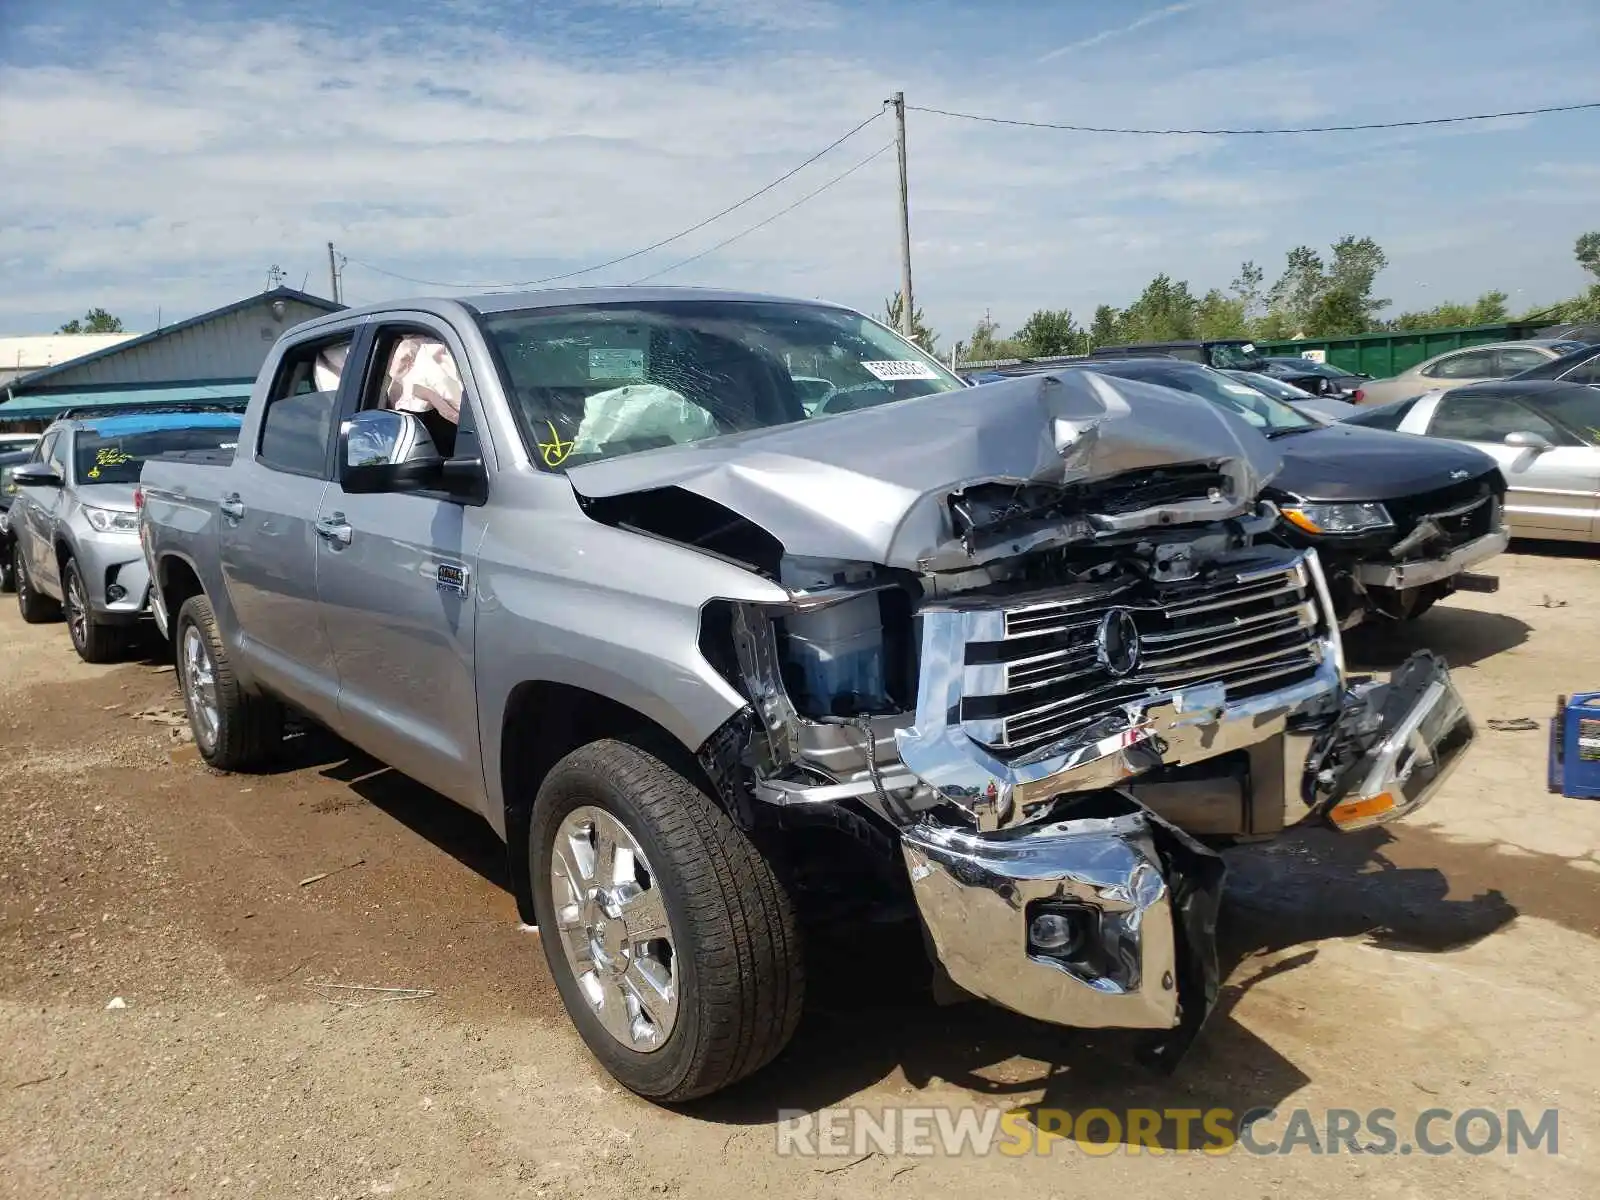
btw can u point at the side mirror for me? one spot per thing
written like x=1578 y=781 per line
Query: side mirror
x=35 y=475
x=381 y=450
x=1536 y=442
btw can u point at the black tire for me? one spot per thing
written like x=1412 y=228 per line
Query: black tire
x=36 y=609
x=249 y=727
x=737 y=951
x=94 y=641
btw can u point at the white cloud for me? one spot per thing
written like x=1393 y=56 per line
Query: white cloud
x=451 y=153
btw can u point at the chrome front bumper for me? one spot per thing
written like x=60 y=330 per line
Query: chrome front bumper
x=1401 y=576
x=1141 y=961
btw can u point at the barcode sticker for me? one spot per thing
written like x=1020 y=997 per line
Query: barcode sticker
x=899 y=368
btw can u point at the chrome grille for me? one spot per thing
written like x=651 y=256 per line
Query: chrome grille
x=1034 y=675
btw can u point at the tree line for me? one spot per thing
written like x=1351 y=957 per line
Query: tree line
x=1316 y=296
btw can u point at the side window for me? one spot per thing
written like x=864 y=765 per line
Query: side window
x=1487 y=419
x=1474 y=364
x=43 y=447
x=302 y=409
x=56 y=455
x=415 y=372
x=1385 y=416
x=1587 y=372
x=1513 y=360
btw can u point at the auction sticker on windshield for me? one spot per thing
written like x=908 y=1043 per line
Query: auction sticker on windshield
x=892 y=369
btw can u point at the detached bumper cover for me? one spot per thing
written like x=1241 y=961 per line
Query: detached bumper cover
x=1144 y=893
x=1420 y=573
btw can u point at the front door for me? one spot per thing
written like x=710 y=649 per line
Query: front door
x=33 y=516
x=396 y=576
x=267 y=517
x=1550 y=492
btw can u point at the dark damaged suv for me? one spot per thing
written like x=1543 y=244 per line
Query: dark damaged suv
x=1397 y=521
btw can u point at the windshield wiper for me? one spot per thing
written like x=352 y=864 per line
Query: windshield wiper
x=1274 y=434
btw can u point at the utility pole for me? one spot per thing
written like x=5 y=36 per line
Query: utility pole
x=333 y=274
x=907 y=308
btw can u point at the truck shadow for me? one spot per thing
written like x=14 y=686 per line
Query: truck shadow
x=871 y=1018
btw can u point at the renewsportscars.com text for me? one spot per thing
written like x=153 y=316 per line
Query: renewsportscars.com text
x=840 y=1132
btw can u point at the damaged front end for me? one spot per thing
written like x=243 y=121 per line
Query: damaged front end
x=1053 y=683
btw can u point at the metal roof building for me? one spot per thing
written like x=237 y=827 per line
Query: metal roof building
x=214 y=356
x=21 y=356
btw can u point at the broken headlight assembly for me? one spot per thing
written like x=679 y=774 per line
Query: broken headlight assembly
x=1337 y=518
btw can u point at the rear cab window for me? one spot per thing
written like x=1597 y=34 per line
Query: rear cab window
x=301 y=416
x=115 y=449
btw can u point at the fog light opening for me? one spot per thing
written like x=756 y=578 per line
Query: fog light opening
x=115 y=592
x=1056 y=933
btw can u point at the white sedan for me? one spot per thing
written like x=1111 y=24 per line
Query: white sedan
x=1545 y=436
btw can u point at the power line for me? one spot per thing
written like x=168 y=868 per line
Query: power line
x=1521 y=112
x=698 y=225
x=843 y=175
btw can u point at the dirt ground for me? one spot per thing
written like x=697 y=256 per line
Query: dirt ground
x=162 y=943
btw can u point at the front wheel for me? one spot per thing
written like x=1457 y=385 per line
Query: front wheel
x=95 y=642
x=671 y=939
x=233 y=729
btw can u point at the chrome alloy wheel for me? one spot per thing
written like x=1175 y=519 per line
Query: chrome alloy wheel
x=200 y=687
x=612 y=921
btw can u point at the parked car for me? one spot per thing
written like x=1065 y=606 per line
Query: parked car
x=579 y=561
x=1319 y=379
x=1544 y=434
x=1457 y=368
x=1397 y=528
x=10 y=460
x=1579 y=366
x=12 y=442
x=1230 y=353
x=75 y=527
x=1320 y=408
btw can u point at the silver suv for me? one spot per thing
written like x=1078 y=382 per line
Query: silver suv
x=74 y=520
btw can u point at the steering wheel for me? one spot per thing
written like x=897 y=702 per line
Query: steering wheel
x=844 y=399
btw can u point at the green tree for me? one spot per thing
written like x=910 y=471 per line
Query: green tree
x=1220 y=316
x=1356 y=265
x=984 y=344
x=1315 y=299
x=920 y=333
x=1292 y=298
x=96 y=320
x=1104 y=328
x=1247 y=289
x=1164 y=312
x=1587 y=251
x=1487 y=309
x=1050 y=332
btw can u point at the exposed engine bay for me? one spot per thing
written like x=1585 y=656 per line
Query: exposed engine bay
x=1045 y=685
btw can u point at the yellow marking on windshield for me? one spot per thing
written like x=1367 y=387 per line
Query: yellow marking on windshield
x=555 y=451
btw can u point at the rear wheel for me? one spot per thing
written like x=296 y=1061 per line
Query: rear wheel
x=671 y=939
x=36 y=609
x=233 y=729
x=95 y=641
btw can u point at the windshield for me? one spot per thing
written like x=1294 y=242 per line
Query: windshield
x=1234 y=357
x=1577 y=408
x=115 y=451
x=1278 y=389
x=1272 y=417
x=597 y=382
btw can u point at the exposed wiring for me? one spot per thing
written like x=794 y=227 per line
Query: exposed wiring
x=1521 y=112
x=698 y=225
x=760 y=224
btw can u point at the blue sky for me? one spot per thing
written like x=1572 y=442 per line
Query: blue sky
x=165 y=153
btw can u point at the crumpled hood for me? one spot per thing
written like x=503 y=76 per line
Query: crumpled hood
x=1352 y=462
x=871 y=485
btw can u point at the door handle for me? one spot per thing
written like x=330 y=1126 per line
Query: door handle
x=335 y=529
x=231 y=506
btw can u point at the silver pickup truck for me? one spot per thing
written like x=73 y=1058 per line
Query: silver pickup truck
x=1016 y=658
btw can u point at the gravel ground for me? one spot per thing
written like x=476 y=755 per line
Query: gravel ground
x=167 y=1028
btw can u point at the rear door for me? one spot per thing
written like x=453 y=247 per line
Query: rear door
x=396 y=573
x=267 y=527
x=1550 y=493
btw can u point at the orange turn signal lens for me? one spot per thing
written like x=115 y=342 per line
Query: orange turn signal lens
x=1362 y=811
x=1299 y=519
